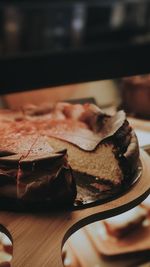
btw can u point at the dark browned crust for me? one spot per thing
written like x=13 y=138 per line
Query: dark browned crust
x=132 y=153
x=60 y=189
x=127 y=150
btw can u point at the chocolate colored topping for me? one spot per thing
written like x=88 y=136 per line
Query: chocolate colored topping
x=132 y=152
x=59 y=188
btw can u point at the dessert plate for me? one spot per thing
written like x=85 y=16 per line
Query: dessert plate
x=137 y=242
x=44 y=234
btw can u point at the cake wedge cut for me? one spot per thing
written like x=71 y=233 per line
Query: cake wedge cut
x=37 y=175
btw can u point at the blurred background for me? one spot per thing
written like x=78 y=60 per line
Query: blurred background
x=50 y=43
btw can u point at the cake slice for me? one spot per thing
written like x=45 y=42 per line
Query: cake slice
x=124 y=224
x=39 y=174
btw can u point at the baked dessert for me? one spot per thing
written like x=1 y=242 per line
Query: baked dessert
x=123 y=224
x=6 y=250
x=40 y=144
x=36 y=172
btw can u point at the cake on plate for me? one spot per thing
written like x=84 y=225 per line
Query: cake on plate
x=44 y=149
x=124 y=224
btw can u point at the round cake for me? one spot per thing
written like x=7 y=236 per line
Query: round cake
x=45 y=149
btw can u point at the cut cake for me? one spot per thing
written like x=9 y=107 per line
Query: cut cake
x=59 y=140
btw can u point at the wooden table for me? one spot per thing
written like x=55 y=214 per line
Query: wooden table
x=38 y=238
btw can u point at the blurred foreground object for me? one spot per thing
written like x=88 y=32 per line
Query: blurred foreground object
x=6 y=250
x=103 y=248
x=104 y=92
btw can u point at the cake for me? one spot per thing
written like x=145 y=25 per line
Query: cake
x=125 y=223
x=36 y=173
x=44 y=149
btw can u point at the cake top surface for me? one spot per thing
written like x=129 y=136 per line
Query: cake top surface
x=82 y=125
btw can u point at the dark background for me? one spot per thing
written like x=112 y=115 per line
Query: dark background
x=47 y=43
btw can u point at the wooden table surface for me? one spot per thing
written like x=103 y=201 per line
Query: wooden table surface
x=38 y=238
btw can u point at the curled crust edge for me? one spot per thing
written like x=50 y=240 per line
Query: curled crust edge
x=132 y=153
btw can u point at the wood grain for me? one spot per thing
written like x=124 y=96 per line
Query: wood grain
x=38 y=238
